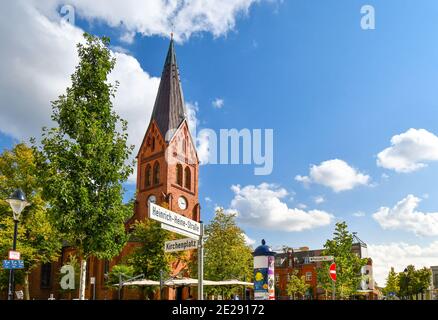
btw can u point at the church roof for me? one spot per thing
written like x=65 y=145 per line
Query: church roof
x=169 y=110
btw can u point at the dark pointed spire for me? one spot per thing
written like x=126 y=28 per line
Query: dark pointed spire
x=169 y=110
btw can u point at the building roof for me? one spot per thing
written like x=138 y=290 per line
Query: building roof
x=169 y=110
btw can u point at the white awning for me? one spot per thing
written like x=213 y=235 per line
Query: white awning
x=178 y=282
x=143 y=282
x=233 y=282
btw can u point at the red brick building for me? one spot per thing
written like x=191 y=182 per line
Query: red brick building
x=167 y=174
x=298 y=260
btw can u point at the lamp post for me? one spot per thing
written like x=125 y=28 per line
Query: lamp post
x=18 y=202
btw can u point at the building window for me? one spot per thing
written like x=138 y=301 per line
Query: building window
x=308 y=276
x=148 y=176
x=179 y=175
x=188 y=178
x=153 y=145
x=156 y=173
x=277 y=279
x=46 y=275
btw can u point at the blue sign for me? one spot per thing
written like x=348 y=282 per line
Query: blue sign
x=13 y=264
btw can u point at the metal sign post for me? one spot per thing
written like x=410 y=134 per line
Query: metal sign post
x=201 y=264
x=178 y=223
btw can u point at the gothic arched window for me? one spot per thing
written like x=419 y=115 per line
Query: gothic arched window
x=188 y=178
x=148 y=176
x=179 y=175
x=156 y=173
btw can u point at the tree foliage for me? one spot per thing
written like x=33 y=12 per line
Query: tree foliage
x=392 y=284
x=83 y=161
x=297 y=285
x=413 y=282
x=226 y=255
x=348 y=264
x=117 y=271
x=149 y=257
x=38 y=240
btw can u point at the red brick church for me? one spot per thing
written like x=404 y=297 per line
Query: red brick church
x=167 y=174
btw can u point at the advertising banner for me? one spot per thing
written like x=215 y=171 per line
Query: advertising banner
x=271 y=278
x=261 y=284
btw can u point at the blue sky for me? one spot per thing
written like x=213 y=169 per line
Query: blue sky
x=327 y=88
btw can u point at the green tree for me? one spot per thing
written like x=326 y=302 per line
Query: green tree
x=84 y=160
x=148 y=257
x=414 y=282
x=392 y=283
x=226 y=255
x=123 y=270
x=424 y=279
x=38 y=241
x=297 y=285
x=348 y=264
x=324 y=281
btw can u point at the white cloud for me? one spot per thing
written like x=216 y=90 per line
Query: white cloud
x=319 y=199
x=335 y=174
x=399 y=256
x=262 y=206
x=37 y=60
x=302 y=206
x=218 y=103
x=159 y=17
x=128 y=37
x=249 y=242
x=359 y=214
x=409 y=151
x=192 y=119
x=207 y=199
x=403 y=216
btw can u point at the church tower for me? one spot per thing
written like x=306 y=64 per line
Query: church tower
x=167 y=162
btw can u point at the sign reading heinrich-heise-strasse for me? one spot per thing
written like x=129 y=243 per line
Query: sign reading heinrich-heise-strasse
x=180 y=245
x=174 y=219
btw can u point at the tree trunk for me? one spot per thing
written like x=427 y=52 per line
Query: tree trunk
x=82 y=279
x=26 y=286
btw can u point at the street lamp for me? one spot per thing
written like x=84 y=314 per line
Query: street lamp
x=18 y=202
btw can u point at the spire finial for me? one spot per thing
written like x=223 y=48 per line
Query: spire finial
x=171 y=36
x=263 y=242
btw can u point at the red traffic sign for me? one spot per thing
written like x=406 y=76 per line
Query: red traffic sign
x=14 y=255
x=332 y=271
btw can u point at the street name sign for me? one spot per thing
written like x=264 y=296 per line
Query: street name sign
x=332 y=271
x=321 y=259
x=13 y=264
x=179 y=231
x=180 y=245
x=14 y=255
x=174 y=219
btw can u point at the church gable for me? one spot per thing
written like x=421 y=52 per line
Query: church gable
x=182 y=146
x=153 y=143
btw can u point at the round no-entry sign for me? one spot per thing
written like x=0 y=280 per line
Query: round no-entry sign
x=332 y=271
